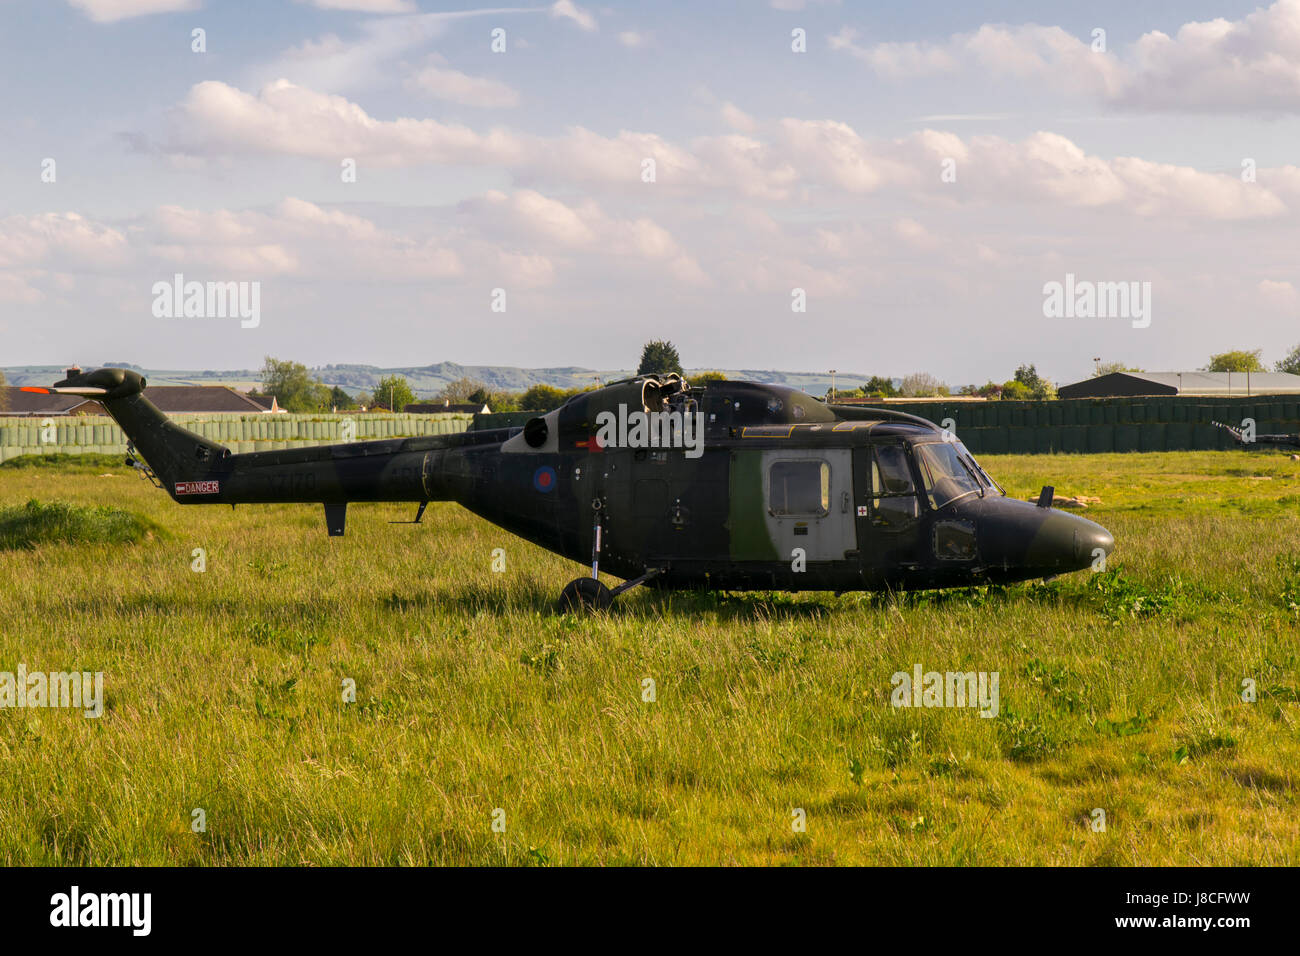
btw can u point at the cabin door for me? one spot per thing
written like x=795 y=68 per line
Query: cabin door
x=808 y=502
x=888 y=508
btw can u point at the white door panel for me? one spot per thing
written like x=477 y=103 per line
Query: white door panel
x=808 y=494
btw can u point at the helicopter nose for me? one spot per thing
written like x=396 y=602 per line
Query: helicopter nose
x=1066 y=542
x=1091 y=539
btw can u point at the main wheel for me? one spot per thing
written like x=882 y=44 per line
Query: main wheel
x=585 y=594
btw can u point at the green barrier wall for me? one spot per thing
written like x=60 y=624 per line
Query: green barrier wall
x=1092 y=425
x=1081 y=425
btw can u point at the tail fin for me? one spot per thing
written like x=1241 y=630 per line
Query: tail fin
x=1234 y=433
x=174 y=454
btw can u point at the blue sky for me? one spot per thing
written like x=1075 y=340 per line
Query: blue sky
x=775 y=170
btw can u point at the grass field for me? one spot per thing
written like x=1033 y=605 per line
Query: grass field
x=1120 y=691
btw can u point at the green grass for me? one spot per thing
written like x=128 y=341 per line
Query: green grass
x=62 y=461
x=58 y=522
x=1119 y=691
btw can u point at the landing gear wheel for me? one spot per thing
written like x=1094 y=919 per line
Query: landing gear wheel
x=585 y=594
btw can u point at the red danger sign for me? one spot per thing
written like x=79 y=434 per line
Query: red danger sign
x=198 y=487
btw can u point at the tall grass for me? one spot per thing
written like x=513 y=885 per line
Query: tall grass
x=225 y=693
x=58 y=522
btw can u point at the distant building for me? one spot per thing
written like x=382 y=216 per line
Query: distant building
x=185 y=399
x=1210 y=384
x=435 y=408
x=901 y=400
x=172 y=399
x=16 y=403
x=268 y=403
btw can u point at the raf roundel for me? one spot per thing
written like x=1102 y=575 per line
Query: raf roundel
x=544 y=478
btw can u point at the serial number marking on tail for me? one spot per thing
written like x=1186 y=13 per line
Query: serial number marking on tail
x=198 y=487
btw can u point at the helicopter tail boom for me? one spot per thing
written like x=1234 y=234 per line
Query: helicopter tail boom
x=196 y=470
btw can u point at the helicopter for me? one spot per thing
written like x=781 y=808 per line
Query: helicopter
x=1246 y=440
x=726 y=486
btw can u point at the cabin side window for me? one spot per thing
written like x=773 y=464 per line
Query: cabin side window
x=799 y=487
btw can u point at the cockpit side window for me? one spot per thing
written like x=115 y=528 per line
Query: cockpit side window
x=890 y=474
x=894 y=505
x=945 y=475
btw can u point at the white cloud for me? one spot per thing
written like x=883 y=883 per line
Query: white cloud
x=327 y=46
x=290 y=120
x=1213 y=66
x=260 y=260
x=364 y=6
x=831 y=153
x=110 y=11
x=796 y=5
x=15 y=289
x=896 y=59
x=631 y=38
x=1221 y=65
x=284 y=119
x=523 y=239
x=1028 y=52
x=443 y=83
x=737 y=118
x=913 y=234
x=568 y=10
x=294 y=238
x=528 y=213
x=333 y=64
x=1278 y=293
x=64 y=237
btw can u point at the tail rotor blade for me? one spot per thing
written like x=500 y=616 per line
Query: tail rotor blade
x=86 y=391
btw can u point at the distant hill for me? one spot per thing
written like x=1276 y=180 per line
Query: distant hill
x=426 y=380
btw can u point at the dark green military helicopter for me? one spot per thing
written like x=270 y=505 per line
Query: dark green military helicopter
x=1252 y=442
x=733 y=486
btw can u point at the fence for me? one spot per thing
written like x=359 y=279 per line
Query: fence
x=88 y=434
x=1092 y=425
x=1084 y=425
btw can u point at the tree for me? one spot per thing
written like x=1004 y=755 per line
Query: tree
x=1110 y=368
x=1291 y=363
x=879 y=386
x=1015 y=391
x=542 y=398
x=393 y=393
x=704 y=378
x=496 y=401
x=1039 y=388
x=919 y=385
x=1237 y=361
x=1028 y=376
x=659 y=356
x=461 y=391
x=504 y=402
x=294 y=389
x=341 y=399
